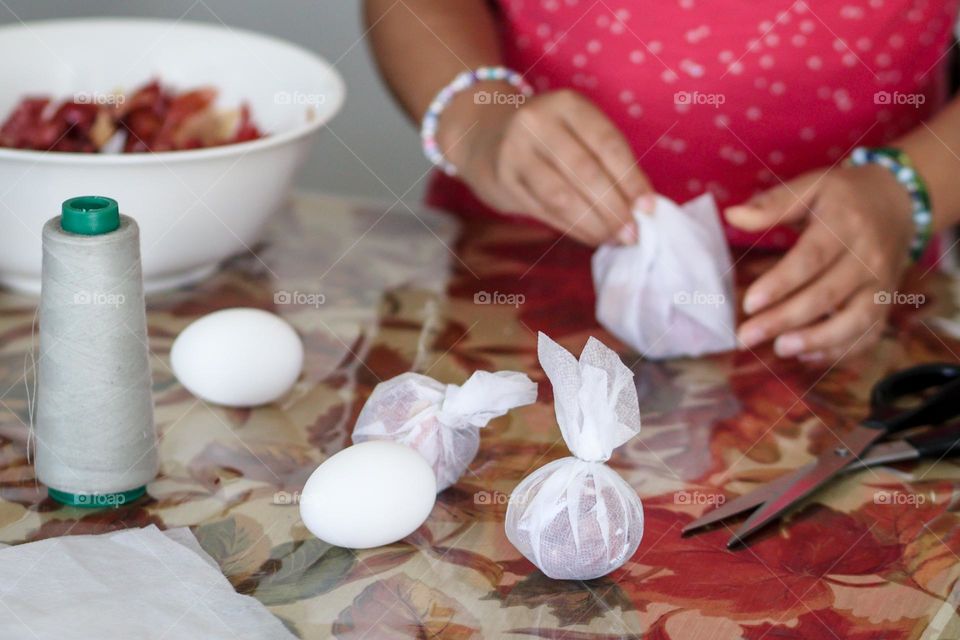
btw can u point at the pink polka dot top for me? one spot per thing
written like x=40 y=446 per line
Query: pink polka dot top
x=732 y=97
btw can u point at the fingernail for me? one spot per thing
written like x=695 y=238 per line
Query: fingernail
x=788 y=345
x=751 y=336
x=646 y=203
x=740 y=215
x=754 y=301
x=628 y=234
x=813 y=356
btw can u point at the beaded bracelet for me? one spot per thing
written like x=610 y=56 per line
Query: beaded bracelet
x=463 y=81
x=899 y=164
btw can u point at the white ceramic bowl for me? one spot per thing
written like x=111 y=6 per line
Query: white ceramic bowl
x=194 y=208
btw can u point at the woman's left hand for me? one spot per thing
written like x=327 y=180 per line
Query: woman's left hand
x=825 y=298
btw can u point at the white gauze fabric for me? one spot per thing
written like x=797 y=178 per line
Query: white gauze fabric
x=440 y=421
x=671 y=294
x=135 y=583
x=576 y=518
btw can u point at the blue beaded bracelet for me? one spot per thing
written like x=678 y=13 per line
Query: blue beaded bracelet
x=899 y=164
x=463 y=81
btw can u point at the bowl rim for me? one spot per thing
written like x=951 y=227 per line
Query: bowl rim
x=165 y=157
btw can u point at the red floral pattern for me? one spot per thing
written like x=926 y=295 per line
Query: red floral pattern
x=847 y=565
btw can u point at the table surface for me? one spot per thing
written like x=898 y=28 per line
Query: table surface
x=377 y=291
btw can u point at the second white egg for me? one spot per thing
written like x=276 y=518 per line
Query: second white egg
x=368 y=495
x=238 y=357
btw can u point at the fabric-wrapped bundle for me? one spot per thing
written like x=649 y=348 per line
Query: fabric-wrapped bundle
x=576 y=518
x=671 y=294
x=441 y=421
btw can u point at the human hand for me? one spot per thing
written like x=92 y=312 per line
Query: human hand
x=555 y=157
x=820 y=300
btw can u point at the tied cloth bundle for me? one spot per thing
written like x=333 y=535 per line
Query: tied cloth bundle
x=441 y=422
x=671 y=294
x=576 y=518
x=94 y=429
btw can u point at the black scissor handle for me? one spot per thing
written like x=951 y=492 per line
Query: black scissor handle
x=942 y=405
x=937 y=442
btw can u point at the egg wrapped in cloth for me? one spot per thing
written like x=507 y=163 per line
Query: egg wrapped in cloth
x=576 y=518
x=441 y=421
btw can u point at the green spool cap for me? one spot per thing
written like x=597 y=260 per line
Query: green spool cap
x=90 y=215
x=96 y=500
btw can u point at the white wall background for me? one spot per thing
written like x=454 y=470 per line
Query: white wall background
x=379 y=153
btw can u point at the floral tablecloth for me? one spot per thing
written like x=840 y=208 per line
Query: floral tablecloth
x=376 y=291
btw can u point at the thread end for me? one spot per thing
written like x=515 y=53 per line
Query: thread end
x=96 y=500
x=90 y=215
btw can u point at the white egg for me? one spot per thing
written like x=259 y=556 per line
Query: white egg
x=238 y=357
x=368 y=495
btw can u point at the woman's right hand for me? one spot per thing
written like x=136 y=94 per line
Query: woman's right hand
x=555 y=157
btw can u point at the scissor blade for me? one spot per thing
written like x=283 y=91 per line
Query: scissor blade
x=895 y=451
x=824 y=468
x=747 y=501
x=878 y=454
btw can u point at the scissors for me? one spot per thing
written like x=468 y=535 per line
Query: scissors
x=934 y=390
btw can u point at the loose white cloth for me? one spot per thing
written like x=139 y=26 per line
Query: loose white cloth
x=671 y=294
x=137 y=583
x=442 y=422
x=576 y=518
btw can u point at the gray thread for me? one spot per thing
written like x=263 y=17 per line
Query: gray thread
x=94 y=417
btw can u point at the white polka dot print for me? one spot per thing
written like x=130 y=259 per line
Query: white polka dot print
x=780 y=90
x=851 y=12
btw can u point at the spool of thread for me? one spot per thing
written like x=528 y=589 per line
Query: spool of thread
x=95 y=437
